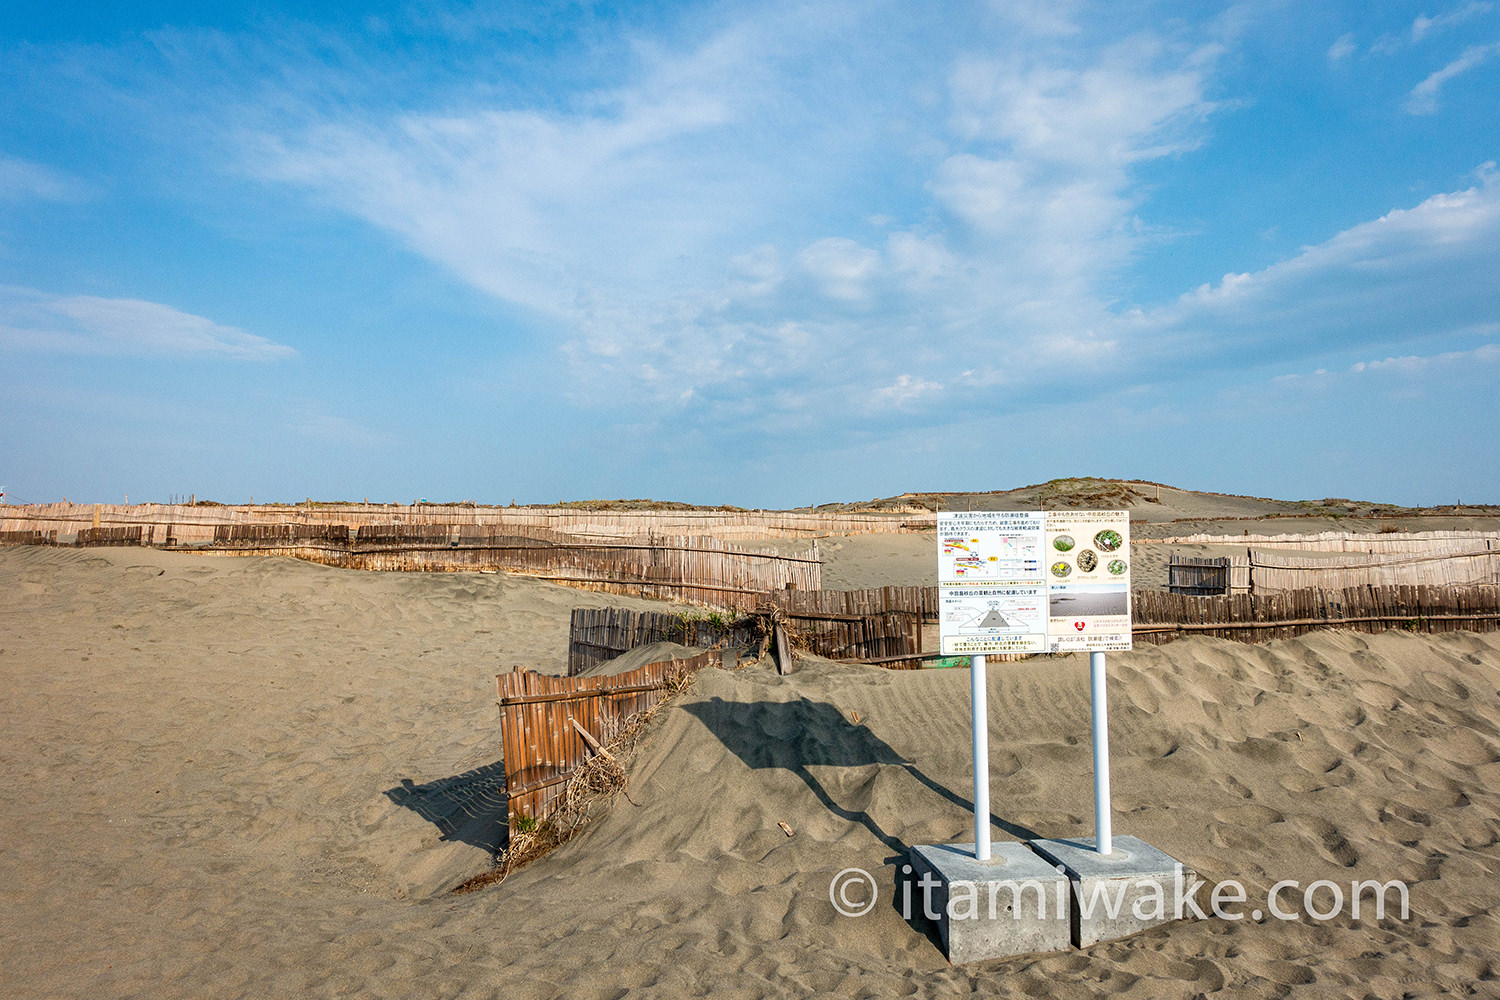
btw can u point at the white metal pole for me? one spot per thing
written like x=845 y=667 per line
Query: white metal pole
x=980 y=704
x=1101 y=754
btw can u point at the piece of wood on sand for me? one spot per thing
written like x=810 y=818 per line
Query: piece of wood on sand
x=781 y=650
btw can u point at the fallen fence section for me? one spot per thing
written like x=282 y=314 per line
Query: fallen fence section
x=541 y=718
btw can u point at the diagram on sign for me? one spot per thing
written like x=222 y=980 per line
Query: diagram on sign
x=980 y=552
x=995 y=615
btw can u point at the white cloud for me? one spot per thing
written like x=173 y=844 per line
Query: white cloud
x=1341 y=49
x=1423 y=99
x=22 y=180
x=84 y=324
x=1417 y=272
x=906 y=389
x=840 y=268
x=1424 y=25
x=688 y=227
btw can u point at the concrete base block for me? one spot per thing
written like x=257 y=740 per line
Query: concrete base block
x=1014 y=904
x=1130 y=889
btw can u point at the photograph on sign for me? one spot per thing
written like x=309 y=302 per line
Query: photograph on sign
x=1088 y=571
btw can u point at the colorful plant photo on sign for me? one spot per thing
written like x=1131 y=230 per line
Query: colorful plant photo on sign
x=1063 y=543
x=1087 y=560
x=1116 y=566
x=1061 y=569
x=1108 y=540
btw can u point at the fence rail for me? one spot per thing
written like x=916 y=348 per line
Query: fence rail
x=540 y=717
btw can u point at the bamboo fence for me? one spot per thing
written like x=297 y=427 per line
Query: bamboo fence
x=538 y=714
x=28 y=537
x=597 y=635
x=112 y=536
x=1273 y=571
x=1159 y=617
x=195 y=523
x=1207 y=576
x=1427 y=543
x=878 y=625
x=704 y=569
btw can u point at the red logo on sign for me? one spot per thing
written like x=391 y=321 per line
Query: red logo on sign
x=1078 y=626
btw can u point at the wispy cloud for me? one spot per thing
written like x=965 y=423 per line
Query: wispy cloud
x=1413 y=273
x=1424 y=25
x=23 y=180
x=32 y=320
x=1423 y=99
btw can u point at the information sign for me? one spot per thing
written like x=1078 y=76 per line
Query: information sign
x=1033 y=581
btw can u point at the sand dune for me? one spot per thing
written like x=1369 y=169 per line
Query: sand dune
x=253 y=777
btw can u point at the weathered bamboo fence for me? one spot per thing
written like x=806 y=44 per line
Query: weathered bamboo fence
x=540 y=718
x=1413 y=542
x=1159 y=617
x=921 y=601
x=706 y=570
x=111 y=536
x=597 y=635
x=1272 y=571
x=877 y=625
x=195 y=523
x=1205 y=577
x=28 y=538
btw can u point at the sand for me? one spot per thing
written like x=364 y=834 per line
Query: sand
x=259 y=777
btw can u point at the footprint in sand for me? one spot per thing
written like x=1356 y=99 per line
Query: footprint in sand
x=1447 y=685
x=1251 y=815
x=1331 y=842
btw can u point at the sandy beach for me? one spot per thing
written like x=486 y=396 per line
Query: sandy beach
x=258 y=777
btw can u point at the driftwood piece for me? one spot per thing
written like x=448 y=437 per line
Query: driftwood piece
x=781 y=649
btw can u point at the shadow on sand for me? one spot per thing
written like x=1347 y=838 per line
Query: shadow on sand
x=467 y=808
x=797 y=735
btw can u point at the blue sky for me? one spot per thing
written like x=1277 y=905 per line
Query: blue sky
x=767 y=254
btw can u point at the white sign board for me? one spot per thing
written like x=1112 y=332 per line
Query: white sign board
x=1034 y=581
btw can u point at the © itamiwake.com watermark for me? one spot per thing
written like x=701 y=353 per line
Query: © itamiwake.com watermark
x=854 y=892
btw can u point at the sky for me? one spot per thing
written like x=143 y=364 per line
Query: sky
x=756 y=253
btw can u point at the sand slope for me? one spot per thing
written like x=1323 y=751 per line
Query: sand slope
x=252 y=777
